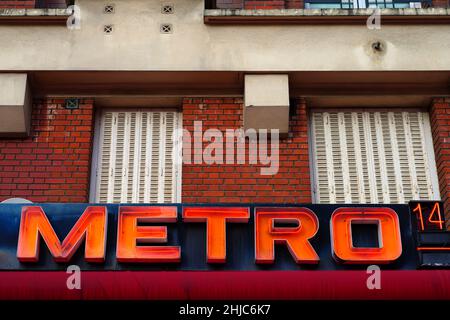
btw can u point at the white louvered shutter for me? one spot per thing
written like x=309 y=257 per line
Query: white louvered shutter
x=138 y=157
x=373 y=157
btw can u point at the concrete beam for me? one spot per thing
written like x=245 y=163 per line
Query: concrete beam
x=267 y=102
x=15 y=105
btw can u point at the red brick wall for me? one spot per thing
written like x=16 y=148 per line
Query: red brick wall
x=264 y=4
x=53 y=165
x=27 y=4
x=21 y=4
x=294 y=4
x=440 y=3
x=244 y=183
x=230 y=4
x=440 y=126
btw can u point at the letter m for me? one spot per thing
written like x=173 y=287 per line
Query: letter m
x=91 y=226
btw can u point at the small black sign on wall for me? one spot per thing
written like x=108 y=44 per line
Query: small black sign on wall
x=430 y=233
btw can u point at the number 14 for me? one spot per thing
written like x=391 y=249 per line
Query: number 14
x=436 y=211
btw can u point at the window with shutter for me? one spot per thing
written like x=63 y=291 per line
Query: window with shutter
x=373 y=157
x=137 y=157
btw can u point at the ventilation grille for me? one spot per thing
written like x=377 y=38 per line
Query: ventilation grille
x=167 y=9
x=108 y=29
x=109 y=9
x=166 y=28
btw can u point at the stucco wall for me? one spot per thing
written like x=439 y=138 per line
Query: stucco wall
x=137 y=44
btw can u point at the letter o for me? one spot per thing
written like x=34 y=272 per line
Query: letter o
x=389 y=238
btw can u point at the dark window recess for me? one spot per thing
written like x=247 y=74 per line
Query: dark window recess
x=365 y=235
x=53 y=4
x=210 y=4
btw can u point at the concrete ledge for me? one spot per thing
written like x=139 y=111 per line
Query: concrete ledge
x=327 y=16
x=267 y=102
x=15 y=105
x=34 y=16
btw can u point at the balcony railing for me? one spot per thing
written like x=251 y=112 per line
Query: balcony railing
x=363 y=4
x=324 y=4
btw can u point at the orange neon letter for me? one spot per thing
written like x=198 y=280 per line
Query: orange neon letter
x=216 y=234
x=296 y=238
x=91 y=225
x=129 y=234
x=390 y=244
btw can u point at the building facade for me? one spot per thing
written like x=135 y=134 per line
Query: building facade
x=94 y=101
